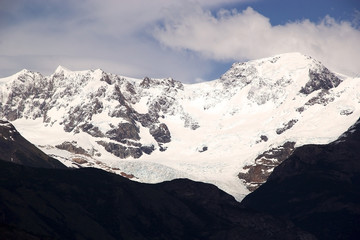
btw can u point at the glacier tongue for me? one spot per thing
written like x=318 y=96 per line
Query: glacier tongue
x=160 y=129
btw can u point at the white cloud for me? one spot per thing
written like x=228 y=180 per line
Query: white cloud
x=118 y=36
x=109 y=34
x=232 y=35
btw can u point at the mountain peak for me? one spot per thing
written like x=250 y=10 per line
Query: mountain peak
x=20 y=73
x=281 y=70
x=291 y=55
x=17 y=76
x=61 y=69
x=290 y=59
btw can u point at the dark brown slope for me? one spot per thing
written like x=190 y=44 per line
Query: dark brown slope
x=15 y=148
x=318 y=188
x=93 y=204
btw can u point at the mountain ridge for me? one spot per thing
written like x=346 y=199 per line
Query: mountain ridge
x=161 y=129
x=14 y=148
x=313 y=194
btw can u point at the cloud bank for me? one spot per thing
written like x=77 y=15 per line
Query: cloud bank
x=233 y=35
x=161 y=38
x=113 y=35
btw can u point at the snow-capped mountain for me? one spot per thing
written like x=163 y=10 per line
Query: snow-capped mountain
x=241 y=125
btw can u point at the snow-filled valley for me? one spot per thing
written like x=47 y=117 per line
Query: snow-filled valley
x=152 y=130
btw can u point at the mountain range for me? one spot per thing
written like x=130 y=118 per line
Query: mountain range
x=313 y=194
x=231 y=131
x=285 y=128
x=40 y=198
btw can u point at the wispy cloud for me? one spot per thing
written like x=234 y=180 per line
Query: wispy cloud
x=232 y=35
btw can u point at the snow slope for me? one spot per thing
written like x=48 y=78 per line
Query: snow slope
x=160 y=129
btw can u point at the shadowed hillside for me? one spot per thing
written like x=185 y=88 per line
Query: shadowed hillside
x=94 y=204
x=318 y=188
x=15 y=148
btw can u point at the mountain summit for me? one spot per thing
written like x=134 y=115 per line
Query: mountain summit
x=231 y=131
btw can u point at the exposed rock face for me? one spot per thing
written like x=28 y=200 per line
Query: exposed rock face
x=122 y=151
x=258 y=173
x=203 y=149
x=90 y=129
x=264 y=138
x=317 y=187
x=128 y=176
x=71 y=147
x=346 y=112
x=320 y=78
x=286 y=126
x=147 y=149
x=124 y=131
x=161 y=133
x=322 y=98
x=168 y=82
x=238 y=75
x=145 y=83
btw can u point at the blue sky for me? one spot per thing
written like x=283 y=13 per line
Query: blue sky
x=282 y=11
x=190 y=40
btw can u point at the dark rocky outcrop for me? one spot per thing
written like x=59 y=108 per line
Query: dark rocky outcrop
x=90 y=203
x=256 y=174
x=203 y=149
x=91 y=129
x=318 y=188
x=145 y=83
x=286 y=126
x=146 y=119
x=322 y=98
x=320 y=78
x=161 y=133
x=147 y=149
x=169 y=82
x=72 y=147
x=124 y=131
x=263 y=138
x=346 y=112
x=122 y=151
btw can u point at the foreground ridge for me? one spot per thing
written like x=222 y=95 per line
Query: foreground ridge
x=317 y=188
x=90 y=203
